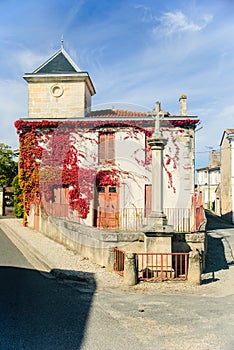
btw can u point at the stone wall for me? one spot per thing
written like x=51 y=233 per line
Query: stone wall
x=98 y=245
x=89 y=241
x=61 y=100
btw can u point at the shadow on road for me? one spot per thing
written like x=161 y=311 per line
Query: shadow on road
x=215 y=222
x=41 y=313
x=215 y=256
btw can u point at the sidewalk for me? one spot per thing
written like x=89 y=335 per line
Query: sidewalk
x=47 y=255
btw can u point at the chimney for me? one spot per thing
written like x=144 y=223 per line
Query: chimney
x=157 y=107
x=183 y=105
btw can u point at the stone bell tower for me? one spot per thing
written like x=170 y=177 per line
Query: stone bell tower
x=59 y=89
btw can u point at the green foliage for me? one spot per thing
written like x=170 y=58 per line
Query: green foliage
x=8 y=167
x=18 y=198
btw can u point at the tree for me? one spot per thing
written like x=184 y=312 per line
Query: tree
x=18 y=198
x=8 y=167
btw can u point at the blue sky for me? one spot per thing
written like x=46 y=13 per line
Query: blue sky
x=136 y=52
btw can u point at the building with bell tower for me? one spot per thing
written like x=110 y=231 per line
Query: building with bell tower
x=59 y=89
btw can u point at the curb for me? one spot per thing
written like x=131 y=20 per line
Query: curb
x=23 y=245
x=36 y=258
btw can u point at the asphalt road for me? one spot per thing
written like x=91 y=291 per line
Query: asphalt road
x=39 y=312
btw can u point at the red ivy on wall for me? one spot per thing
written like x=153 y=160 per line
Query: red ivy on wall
x=49 y=158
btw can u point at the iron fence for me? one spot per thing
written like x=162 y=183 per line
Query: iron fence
x=162 y=266
x=133 y=219
x=119 y=261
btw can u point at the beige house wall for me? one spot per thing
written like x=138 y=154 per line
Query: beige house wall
x=226 y=206
x=58 y=100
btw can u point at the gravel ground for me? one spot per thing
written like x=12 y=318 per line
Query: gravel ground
x=62 y=262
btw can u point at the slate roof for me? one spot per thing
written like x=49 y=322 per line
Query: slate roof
x=59 y=63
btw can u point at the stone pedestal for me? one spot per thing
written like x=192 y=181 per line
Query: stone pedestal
x=194 y=271
x=158 y=243
x=130 y=272
x=158 y=240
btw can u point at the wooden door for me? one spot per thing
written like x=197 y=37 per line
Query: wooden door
x=108 y=207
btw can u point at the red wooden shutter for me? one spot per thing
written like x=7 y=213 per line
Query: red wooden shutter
x=148 y=200
x=101 y=148
x=110 y=151
x=106 y=149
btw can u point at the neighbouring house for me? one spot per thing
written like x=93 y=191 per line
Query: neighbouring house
x=6 y=201
x=94 y=166
x=208 y=181
x=227 y=175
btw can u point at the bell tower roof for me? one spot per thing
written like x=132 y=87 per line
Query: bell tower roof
x=58 y=67
x=59 y=89
x=59 y=63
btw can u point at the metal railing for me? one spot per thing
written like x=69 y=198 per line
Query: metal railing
x=179 y=218
x=132 y=219
x=162 y=266
x=119 y=261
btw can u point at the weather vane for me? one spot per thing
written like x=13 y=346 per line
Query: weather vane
x=62 y=42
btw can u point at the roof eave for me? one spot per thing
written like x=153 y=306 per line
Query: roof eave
x=82 y=76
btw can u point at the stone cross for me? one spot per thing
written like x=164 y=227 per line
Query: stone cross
x=157 y=143
x=157 y=115
x=157 y=233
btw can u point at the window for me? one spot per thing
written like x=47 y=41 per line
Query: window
x=112 y=189
x=101 y=189
x=106 y=149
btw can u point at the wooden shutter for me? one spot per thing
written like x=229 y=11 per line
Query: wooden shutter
x=106 y=149
x=101 y=148
x=148 y=200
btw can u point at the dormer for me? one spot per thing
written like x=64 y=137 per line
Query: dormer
x=59 y=89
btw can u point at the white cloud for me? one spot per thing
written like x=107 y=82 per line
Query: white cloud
x=173 y=22
x=28 y=60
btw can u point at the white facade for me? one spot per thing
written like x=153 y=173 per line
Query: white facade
x=208 y=181
x=58 y=89
x=135 y=175
x=227 y=175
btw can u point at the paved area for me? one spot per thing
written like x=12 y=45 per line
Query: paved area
x=150 y=315
x=49 y=256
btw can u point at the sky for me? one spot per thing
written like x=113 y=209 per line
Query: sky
x=136 y=53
